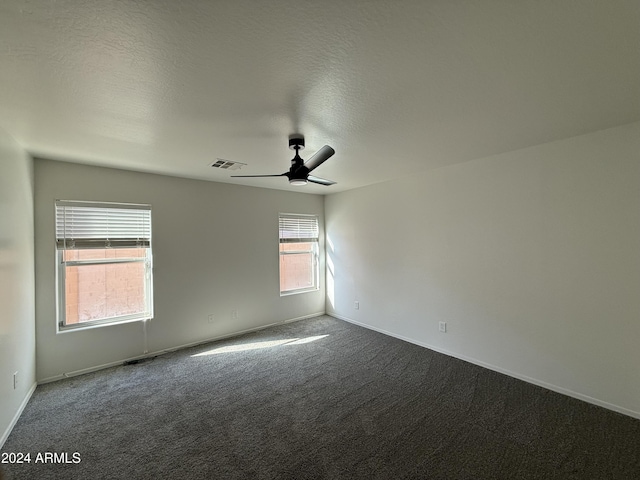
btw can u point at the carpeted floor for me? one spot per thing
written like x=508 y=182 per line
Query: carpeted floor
x=315 y=399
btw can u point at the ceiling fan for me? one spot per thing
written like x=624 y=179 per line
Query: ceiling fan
x=298 y=174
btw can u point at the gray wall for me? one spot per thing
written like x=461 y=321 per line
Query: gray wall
x=17 y=327
x=215 y=251
x=531 y=257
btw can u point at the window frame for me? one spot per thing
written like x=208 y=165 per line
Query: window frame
x=314 y=251
x=101 y=244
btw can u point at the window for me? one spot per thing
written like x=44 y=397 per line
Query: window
x=103 y=263
x=298 y=253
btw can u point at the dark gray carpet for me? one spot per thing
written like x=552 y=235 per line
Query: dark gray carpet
x=351 y=404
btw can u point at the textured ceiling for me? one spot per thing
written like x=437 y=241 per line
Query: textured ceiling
x=394 y=86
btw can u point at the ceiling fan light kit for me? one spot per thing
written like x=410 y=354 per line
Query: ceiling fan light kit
x=298 y=174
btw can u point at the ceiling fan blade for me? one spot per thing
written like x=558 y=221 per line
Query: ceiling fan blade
x=320 y=181
x=247 y=176
x=320 y=157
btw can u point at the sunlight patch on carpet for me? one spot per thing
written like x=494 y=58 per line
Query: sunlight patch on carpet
x=258 y=345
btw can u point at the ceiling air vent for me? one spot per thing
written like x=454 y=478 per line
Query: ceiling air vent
x=227 y=164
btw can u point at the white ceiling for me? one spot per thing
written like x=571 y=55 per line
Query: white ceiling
x=394 y=86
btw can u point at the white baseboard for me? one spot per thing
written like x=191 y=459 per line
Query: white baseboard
x=15 y=418
x=95 y=368
x=534 y=381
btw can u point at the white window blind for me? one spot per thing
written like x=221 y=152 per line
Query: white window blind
x=102 y=225
x=298 y=228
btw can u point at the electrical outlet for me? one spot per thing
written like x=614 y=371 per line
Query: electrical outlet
x=211 y=318
x=357 y=305
x=442 y=326
x=234 y=314
x=15 y=380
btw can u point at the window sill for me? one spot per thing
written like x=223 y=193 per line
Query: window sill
x=302 y=290
x=98 y=324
